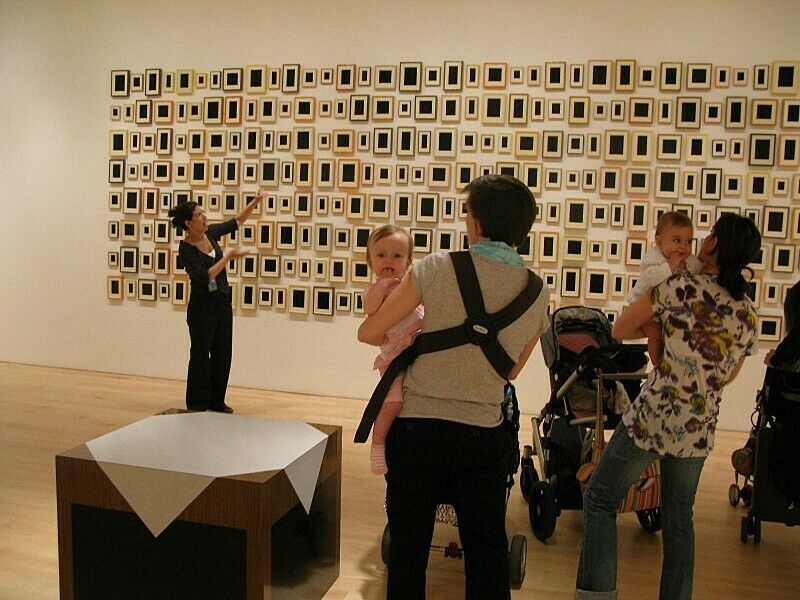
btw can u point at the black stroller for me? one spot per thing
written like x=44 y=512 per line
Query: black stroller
x=591 y=380
x=446 y=514
x=770 y=461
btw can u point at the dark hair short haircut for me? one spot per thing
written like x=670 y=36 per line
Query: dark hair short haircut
x=738 y=243
x=181 y=213
x=503 y=205
x=673 y=218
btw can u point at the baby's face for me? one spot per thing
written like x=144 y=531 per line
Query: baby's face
x=390 y=256
x=675 y=240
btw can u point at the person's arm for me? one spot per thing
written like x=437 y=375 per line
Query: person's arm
x=735 y=371
x=375 y=294
x=214 y=233
x=655 y=274
x=227 y=254
x=245 y=213
x=651 y=275
x=400 y=302
x=628 y=324
x=523 y=357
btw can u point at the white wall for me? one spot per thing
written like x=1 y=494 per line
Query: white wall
x=55 y=59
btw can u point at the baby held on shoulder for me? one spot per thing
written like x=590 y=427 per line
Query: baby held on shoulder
x=671 y=253
x=389 y=256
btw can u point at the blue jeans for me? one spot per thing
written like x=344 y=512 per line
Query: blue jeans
x=619 y=468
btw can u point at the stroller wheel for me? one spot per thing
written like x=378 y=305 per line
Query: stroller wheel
x=650 y=519
x=756 y=530
x=517 y=558
x=733 y=494
x=542 y=510
x=527 y=477
x=751 y=526
x=747 y=495
x=386 y=543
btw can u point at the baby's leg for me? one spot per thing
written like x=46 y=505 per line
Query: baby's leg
x=391 y=407
x=652 y=329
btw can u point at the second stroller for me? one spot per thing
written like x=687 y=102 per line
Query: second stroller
x=591 y=379
x=770 y=461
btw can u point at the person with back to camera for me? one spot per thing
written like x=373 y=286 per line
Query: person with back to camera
x=209 y=314
x=709 y=326
x=448 y=440
x=785 y=451
x=787 y=355
x=671 y=252
x=389 y=256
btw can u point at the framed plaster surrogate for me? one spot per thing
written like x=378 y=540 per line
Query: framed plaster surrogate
x=604 y=144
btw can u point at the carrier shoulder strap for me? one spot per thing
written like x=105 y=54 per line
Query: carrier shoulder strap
x=479 y=326
x=480 y=329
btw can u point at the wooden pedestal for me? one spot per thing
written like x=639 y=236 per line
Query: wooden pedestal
x=244 y=537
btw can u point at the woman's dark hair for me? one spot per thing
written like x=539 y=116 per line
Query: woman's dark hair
x=788 y=350
x=738 y=243
x=180 y=213
x=503 y=205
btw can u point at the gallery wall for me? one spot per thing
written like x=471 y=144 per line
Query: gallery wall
x=56 y=62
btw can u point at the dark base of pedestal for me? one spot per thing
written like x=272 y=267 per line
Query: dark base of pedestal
x=304 y=563
x=116 y=556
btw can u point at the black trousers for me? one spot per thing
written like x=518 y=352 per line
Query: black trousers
x=434 y=462
x=210 y=320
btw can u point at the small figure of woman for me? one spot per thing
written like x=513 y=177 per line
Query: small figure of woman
x=209 y=314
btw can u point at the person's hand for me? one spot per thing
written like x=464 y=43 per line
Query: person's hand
x=391 y=283
x=388 y=283
x=677 y=262
x=384 y=285
x=768 y=357
x=257 y=198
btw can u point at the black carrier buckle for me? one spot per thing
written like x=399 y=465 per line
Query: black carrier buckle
x=478 y=331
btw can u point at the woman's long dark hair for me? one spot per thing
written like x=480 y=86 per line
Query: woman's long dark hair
x=788 y=350
x=738 y=243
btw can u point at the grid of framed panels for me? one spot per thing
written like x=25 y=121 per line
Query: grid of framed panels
x=606 y=146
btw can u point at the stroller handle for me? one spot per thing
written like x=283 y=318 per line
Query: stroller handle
x=599 y=356
x=631 y=347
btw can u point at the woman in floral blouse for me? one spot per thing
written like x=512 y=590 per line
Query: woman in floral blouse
x=708 y=326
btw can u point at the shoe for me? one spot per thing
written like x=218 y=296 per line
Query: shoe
x=223 y=409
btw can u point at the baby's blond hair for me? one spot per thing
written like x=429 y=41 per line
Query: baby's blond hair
x=386 y=231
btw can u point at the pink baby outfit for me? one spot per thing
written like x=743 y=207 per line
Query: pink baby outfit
x=398 y=338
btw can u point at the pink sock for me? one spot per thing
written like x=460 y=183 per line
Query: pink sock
x=377 y=459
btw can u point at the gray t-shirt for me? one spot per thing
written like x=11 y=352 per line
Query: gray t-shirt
x=459 y=384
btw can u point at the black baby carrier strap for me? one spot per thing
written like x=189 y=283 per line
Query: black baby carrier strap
x=480 y=329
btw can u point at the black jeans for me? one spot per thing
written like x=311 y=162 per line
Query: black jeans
x=434 y=462
x=210 y=320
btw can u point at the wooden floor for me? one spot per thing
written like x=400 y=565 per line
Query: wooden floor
x=45 y=410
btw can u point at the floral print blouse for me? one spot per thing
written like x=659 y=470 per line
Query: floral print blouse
x=705 y=334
